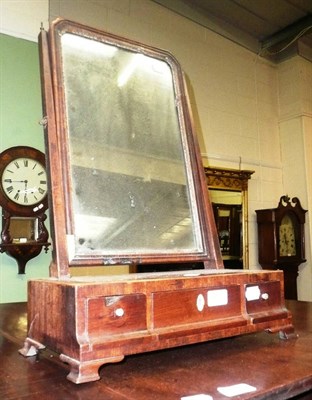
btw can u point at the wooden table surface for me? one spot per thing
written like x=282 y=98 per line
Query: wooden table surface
x=278 y=369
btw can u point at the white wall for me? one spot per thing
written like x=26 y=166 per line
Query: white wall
x=295 y=113
x=23 y=18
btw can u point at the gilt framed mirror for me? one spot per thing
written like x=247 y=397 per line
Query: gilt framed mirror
x=228 y=190
x=127 y=183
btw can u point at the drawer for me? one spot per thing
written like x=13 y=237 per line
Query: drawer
x=195 y=305
x=112 y=315
x=263 y=296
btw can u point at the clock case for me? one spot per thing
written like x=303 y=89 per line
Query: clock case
x=269 y=222
x=22 y=220
x=92 y=320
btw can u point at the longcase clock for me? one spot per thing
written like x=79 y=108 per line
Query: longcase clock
x=281 y=240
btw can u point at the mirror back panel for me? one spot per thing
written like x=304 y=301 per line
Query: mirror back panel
x=133 y=187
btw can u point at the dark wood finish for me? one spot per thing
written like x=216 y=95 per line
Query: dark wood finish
x=92 y=322
x=278 y=369
x=270 y=257
x=57 y=211
x=226 y=178
x=22 y=252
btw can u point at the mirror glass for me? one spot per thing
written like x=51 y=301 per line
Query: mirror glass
x=130 y=191
x=227 y=208
x=228 y=189
x=23 y=229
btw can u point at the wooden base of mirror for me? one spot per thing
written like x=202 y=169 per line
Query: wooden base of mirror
x=92 y=321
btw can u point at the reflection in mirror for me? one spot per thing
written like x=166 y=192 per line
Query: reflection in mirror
x=128 y=176
x=229 y=196
x=227 y=208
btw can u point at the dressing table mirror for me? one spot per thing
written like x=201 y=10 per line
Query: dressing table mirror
x=127 y=186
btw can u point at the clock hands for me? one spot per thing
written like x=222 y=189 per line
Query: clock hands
x=23 y=179
x=285 y=239
x=24 y=191
x=13 y=181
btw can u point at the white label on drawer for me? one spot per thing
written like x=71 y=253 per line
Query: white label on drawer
x=197 y=397
x=200 y=302
x=218 y=297
x=252 y=293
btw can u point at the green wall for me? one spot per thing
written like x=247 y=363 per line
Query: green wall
x=20 y=113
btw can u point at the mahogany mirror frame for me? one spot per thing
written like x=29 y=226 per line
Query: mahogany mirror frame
x=235 y=181
x=58 y=163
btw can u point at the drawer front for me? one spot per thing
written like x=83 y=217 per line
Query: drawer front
x=195 y=305
x=262 y=296
x=116 y=314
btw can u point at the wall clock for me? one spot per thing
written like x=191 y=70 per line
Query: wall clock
x=281 y=240
x=23 y=198
x=23 y=181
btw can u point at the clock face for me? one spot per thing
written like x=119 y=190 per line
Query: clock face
x=287 y=241
x=24 y=181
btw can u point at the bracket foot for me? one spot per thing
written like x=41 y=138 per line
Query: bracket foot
x=88 y=371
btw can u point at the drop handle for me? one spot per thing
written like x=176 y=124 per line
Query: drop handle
x=265 y=296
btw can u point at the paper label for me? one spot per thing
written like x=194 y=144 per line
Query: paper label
x=200 y=302
x=252 y=293
x=218 y=297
